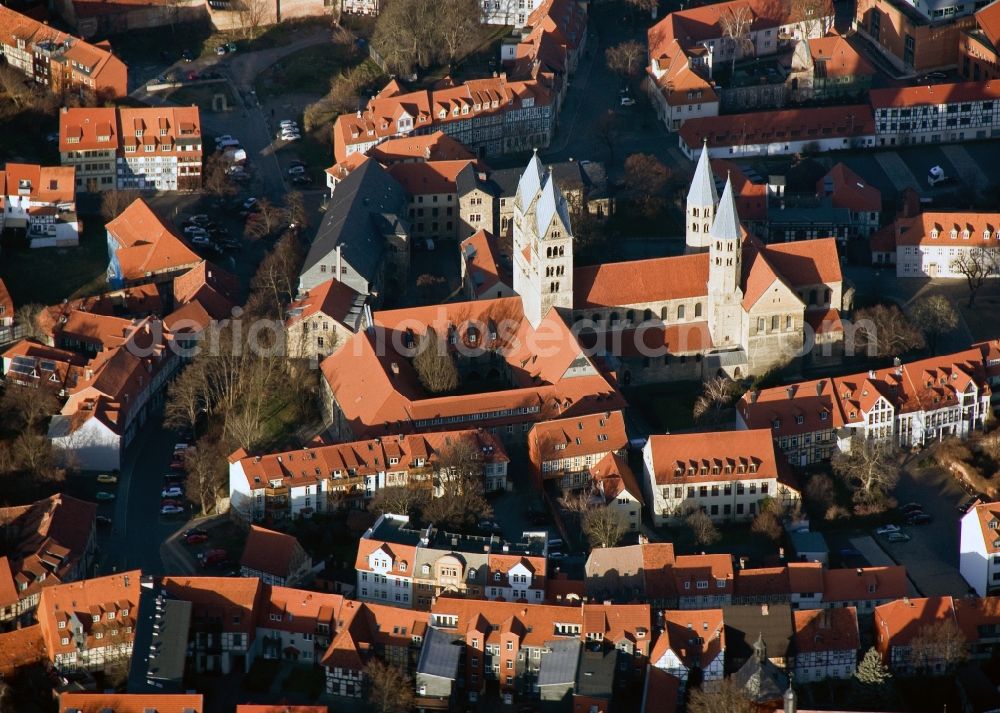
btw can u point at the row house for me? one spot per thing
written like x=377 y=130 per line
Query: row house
x=59 y=61
x=749 y=625
x=275 y=557
x=908 y=404
x=826 y=644
x=89 y=625
x=565 y=450
x=849 y=192
x=49 y=542
x=155 y=148
x=691 y=646
x=41 y=200
x=324 y=478
x=366 y=631
x=506 y=643
x=37 y=365
x=112 y=400
x=934 y=244
x=979 y=548
x=370 y=387
x=727 y=478
x=899 y=622
x=142 y=248
x=411 y=568
x=936 y=113
x=296 y=625
x=686 y=46
x=616 y=487
x=73 y=702
x=493 y=116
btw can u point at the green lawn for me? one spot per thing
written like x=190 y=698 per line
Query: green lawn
x=49 y=275
x=307 y=71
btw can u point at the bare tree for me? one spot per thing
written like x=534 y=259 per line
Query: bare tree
x=607 y=133
x=399 y=499
x=114 y=202
x=276 y=278
x=604 y=526
x=577 y=502
x=34 y=455
x=820 y=493
x=295 y=210
x=646 y=179
x=716 y=396
x=724 y=697
x=810 y=16
x=934 y=316
x=215 y=180
x=434 y=364
x=206 y=473
x=265 y=221
x=459 y=473
x=938 y=647
x=884 y=331
x=407 y=34
x=26 y=317
x=626 y=58
x=459 y=26
x=869 y=468
x=390 y=690
x=26 y=406
x=735 y=23
x=767 y=522
x=701 y=526
x=976 y=265
x=649 y=6
x=252 y=15
x=186 y=397
x=15 y=85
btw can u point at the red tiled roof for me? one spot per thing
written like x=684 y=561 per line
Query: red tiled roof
x=988 y=19
x=271 y=552
x=21 y=648
x=818 y=630
x=130 y=702
x=839 y=57
x=613 y=476
x=637 y=282
x=933 y=94
x=436 y=146
x=849 y=190
x=864 y=584
x=147 y=245
x=970 y=229
x=766 y=127
x=332 y=298
x=232 y=601
x=572 y=437
x=696 y=636
x=428 y=177
x=214 y=288
x=897 y=622
x=481 y=254
x=45 y=184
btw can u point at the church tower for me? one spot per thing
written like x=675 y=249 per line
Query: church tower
x=702 y=198
x=543 y=244
x=725 y=253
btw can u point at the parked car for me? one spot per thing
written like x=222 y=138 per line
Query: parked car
x=104 y=495
x=249 y=204
x=173 y=491
x=201 y=239
x=490 y=526
x=188 y=56
x=627 y=101
x=199 y=219
x=221 y=50
x=180 y=447
x=301 y=181
x=290 y=137
x=107 y=478
x=170 y=501
x=887 y=529
x=556 y=556
x=231 y=46
x=224 y=138
x=935 y=176
x=911 y=507
x=289 y=124
x=898 y=537
x=194 y=230
x=851 y=552
x=214 y=556
x=103 y=521
x=296 y=170
x=920 y=518
x=171 y=510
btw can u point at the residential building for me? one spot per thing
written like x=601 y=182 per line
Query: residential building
x=49 y=542
x=727 y=478
x=632 y=572
x=437 y=668
x=897 y=623
x=370 y=387
x=156 y=148
x=435 y=190
x=296 y=625
x=936 y=113
x=979 y=553
x=61 y=62
x=319 y=479
x=557 y=671
x=492 y=116
x=360 y=7
x=120 y=384
x=131 y=702
x=828 y=68
x=780 y=132
x=88 y=625
x=979 y=620
x=616 y=487
x=21 y=648
x=703 y=581
x=595 y=681
x=223 y=634
x=929 y=244
x=6 y=311
x=660 y=691
x=826 y=644
x=485 y=272
x=914 y=37
x=366 y=631
x=848 y=191
x=505 y=12
x=41 y=200
x=909 y=404
x=275 y=557
x=364 y=239
x=37 y=365
x=141 y=248
x=747 y=623
x=565 y=450
x=321 y=319
x=94 y=18
x=692 y=641
x=412 y=568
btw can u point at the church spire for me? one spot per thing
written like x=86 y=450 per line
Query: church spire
x=726 y=225
x=702 y=191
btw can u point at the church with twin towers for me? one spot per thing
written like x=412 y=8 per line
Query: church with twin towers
x=730 y=304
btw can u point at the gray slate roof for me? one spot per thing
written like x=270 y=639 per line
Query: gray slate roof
x=366 y=205
x=726 y=225
x=702 y=190
x=551 y=202
x=558 y=667
x=440 y=655
x=596 y=676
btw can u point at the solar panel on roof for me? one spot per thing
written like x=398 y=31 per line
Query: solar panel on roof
x=22 y=369
x=47 y=365
x=24 y=361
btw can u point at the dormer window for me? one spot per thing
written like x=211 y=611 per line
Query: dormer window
x=986 y=234
x=954 y=234
x=934 y=233
x=496 y=577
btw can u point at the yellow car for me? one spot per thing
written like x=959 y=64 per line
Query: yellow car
x=105 y=478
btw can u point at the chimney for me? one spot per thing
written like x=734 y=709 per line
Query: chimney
x=764 y=610
x=340 y=263
x=743 y=562
x=643 y=540
x=790 y=390
x=754 y=395
x=820 y=385
x=395 y=368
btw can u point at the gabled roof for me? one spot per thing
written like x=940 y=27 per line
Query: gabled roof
x=214 y=288
x=331 y=298
x=849 y=190
x=271 y=552
x=482 y=261
x=638 y=282
x=130 y=702
x=572 y=437
x=696 y=636
x=819 y=630
x=899 y=621
x=147 y=245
